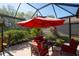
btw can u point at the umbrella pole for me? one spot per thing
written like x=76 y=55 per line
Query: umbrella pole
x=69 y=28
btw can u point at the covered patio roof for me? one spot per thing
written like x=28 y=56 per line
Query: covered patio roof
x=57 y=10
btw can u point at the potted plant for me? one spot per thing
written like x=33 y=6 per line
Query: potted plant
x=59 y=42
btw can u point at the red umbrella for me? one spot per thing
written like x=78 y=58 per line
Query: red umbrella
x=40 y=22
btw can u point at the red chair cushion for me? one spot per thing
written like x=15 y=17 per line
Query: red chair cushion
x=40 y=44
x=38 y=39
x=70 y=48
x=73 y=43
x=43 y=51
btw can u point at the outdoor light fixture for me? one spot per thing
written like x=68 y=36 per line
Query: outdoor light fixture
x=77 y=14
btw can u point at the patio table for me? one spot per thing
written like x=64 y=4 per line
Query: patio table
x=56 y=50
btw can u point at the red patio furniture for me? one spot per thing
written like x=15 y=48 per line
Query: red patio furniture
x=39 y=48
x=34 y=50
x=71 y=48
x=39 y=38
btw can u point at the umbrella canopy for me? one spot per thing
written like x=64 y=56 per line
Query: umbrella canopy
x=40 y=22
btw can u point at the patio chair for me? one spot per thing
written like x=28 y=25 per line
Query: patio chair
x=34 y=50
x=40 y=49
x=71 y=48
x=39 y=39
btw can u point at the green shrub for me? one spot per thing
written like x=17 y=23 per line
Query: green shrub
x=65 y=38
x=17 y=35
x=34 y=32
x=78 y=39
x=48 y=37
x=59 y=42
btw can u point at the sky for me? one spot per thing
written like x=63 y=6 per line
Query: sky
x=45 y=11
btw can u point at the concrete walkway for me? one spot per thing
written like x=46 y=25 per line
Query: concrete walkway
x=22 y=49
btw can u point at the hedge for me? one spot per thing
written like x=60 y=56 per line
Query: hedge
x=16 y=36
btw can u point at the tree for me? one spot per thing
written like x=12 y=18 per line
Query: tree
x=29 y=14
x=9 y=10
